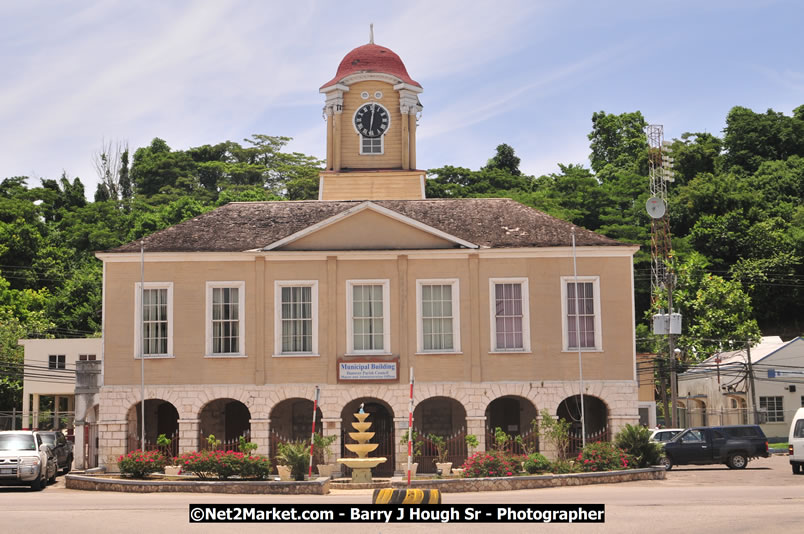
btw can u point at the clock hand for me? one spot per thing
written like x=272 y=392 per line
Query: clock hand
x=371 y=121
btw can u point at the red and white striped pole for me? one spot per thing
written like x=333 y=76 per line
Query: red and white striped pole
x=410 y=426
x=312 y=435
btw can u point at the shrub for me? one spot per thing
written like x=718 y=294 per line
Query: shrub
x=139 y=464
x=536 y=463
x=602 y=456
x=563 y=467
x=224 y=464
x=296 y=455
x=258 y=467
x=441 y=447
x=491 y=464
x=555 y=431
x=635 y=440
x=322 y=447
x=416 y=442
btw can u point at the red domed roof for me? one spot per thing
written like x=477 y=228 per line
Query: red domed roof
x=371 y=58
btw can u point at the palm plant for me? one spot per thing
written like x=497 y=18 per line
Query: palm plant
x=635 y=440
x=296 y=455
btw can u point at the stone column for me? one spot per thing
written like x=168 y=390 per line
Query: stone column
x=112 y=442
x=260 y=429
x=188 y=435
x=401 y=448
x=332 y=427
x=477 y=425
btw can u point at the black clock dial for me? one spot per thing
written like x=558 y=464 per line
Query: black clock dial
x=371 y=120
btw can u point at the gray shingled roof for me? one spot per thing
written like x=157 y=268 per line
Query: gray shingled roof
x=487 y=222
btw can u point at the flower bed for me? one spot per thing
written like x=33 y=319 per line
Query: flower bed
x=225 y=464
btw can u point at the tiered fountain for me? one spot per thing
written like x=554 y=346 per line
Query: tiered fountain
x=362 y=465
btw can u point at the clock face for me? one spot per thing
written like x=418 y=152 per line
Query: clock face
x=371 y=120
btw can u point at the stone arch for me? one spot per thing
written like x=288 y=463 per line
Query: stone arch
x=382 y=424
x=161 y=417
x=227 y=419
x=515 y=416
x=444 y=417
x=736 y=410
x=292 y=418
x=595 y=419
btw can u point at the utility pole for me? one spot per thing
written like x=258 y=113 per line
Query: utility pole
x=751 y=382
x=663 y=386
x=671 y=350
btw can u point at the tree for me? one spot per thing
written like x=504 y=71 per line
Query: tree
x=618 y=140
x=695 y=153
x=505 y=160
x=751 y=138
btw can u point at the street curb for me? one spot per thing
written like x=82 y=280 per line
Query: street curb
x=319 y=486
x=463 y=485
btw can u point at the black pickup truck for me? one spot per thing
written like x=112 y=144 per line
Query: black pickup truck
x=730 y=445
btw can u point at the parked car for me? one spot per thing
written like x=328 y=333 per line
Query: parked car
x=62 y=449
x=795 y=443
x=733 y=446
x=663 y=435
x=25 y=460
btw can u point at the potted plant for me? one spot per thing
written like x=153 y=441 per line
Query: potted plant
x=441 y=449
x=295 y=456
x=171 y=469
x=417 y=444
x=322 y=453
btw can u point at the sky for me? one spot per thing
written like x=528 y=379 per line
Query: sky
x=76 y=75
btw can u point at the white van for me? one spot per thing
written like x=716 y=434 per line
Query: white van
x=796 y=443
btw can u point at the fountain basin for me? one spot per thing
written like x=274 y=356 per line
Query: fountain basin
x=361 y=427
x=361 y=463
x=362 y=449
x=361 y=437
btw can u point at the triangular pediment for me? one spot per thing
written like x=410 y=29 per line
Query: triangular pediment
x=369 y=227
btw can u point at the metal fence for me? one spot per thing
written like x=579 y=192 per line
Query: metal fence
x=231 y=444
x=528 y=442
x=171 y=450
x=456 y=452
x=576 y=439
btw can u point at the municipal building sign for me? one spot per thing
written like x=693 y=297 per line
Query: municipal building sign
x=368 y=370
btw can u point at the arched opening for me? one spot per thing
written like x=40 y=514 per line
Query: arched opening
x=514 y=416
x=596 y=420
x=737 y=413
x=444 y=417
x=292 y=420
x=227 y=420
x=683 y=418
x=161 y=417
x=90 y=438
x=382 y=424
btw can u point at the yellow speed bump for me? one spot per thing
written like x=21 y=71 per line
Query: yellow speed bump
x=406 y=496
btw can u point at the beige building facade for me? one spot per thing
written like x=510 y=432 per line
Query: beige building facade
x=247 y=309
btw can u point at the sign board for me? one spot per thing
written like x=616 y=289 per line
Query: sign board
x=368 y=370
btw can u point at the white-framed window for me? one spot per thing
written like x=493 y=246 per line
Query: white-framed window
x=510 y=318
x=225 y=319
x=775 y=408
x=368 y=317
x=585 y=324
x=438 y=315
x=371 y=145
x=56 y=361
x=296 y=318
x=153 y=320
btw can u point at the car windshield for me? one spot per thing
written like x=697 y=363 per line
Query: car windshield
x=50 y=439
x=17 y=442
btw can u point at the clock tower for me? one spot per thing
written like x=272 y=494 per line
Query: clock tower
x=371 y=109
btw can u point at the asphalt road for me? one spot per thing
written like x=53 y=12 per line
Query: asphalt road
x=765 y=497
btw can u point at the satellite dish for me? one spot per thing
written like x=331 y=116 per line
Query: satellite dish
x=656 y=207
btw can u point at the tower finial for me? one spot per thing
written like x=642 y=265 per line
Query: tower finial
x=371 y=33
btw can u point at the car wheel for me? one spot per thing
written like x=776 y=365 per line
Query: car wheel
x=738 y=461
x=52 y=480
x=666 y=462
x=37 y=485
x=796 y=469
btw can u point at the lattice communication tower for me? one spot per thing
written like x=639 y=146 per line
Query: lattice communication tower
x=661 y=172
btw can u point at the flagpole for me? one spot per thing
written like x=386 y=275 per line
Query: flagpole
x=578 y=335
x=410 y=426
x=142 y=344
x=312 y=435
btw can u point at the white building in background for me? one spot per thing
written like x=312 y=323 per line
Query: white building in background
x=717 y=391
x=50 y=372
